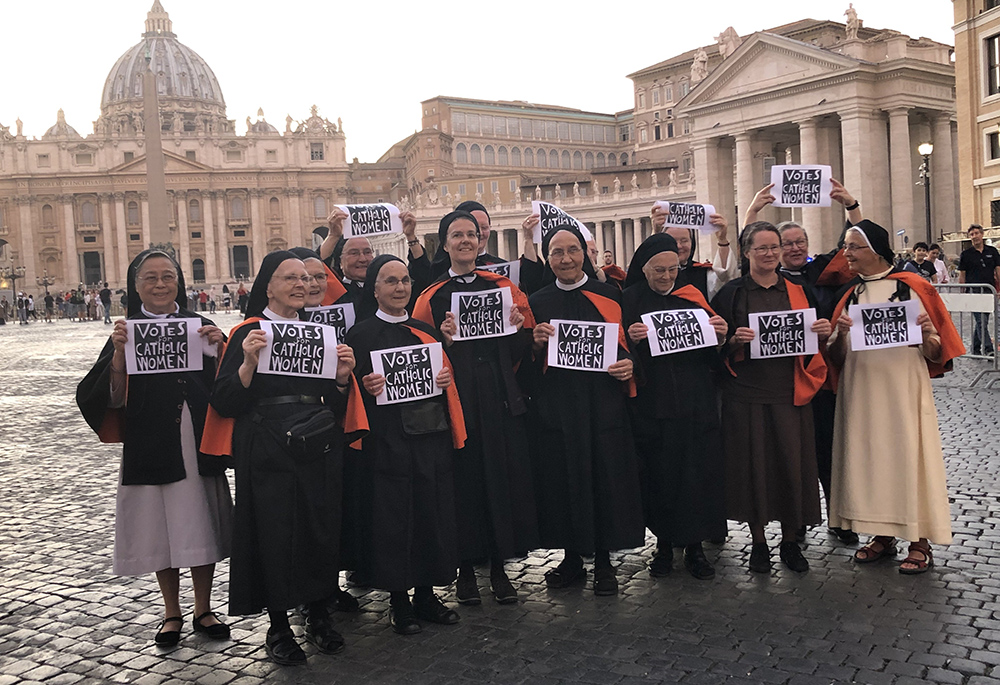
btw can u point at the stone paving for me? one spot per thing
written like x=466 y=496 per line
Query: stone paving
x=64 y=618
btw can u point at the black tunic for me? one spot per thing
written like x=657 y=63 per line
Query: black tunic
x=586 y=475
x=676 y=427
x=493 y=489
x=286 y=531
x=405 y=481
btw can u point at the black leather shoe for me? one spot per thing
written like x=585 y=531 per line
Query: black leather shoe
x=760 y=558
x=431 y=609
x=605 y=582
x=326 y=639
x=662 y=562
x=216 y=631
x=565 y=574
x=403 y=620
x=848 y=537
x=697 y=563
x=283 y=649
x=467 y=589
x=792 y=557
x=169 y=638
x=345 y=602
x=503 y=590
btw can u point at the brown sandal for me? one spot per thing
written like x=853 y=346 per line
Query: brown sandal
x=919 y=564
x=879 y=547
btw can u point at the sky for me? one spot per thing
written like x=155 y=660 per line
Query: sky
x=372 y=63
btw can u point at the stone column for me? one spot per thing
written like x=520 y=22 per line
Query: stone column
x=108 y=236
x=258 y=231
x=295 y=226
x=866 y=165
x=219 y=200
x=121 y=231
x=620 y=242
x=599 y=239
x=902 y=175
x=25 y=231
x=71 y=258
x=945 y=216
x=636 y=236
x=183 y=232
x=144 y=209
x=208 y=233
x=501 y=243
x=745 y=187
x=812 y=217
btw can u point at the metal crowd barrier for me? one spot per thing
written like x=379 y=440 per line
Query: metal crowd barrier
x=966 y=302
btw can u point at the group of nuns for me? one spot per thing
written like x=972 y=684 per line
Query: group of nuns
x=511 y=456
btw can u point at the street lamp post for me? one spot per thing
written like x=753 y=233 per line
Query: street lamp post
x=44 y=281
x=12 y=274
x=925 y=150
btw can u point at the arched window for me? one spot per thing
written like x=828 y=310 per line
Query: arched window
x=502 y=156
x=237 y=209
x=88 y=213
x=589 y=161
x=566 y=163
x=194 y=211
x=491 y=157
x=47 y=219
x=578 y=160
x=600 y=159
x=542 y=159
x=529 y=157
x=515 y=157
x=554 y=159
x=133 y=213
x=476 y=155
x=198 y=270
x=461 y=154
x=274 y=208
x=319 y=206
x=612 y=160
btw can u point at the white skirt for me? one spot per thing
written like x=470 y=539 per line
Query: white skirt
x=177 y=525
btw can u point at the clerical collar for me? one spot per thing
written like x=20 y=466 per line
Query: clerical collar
x=790 y=272
x=462 y=278
x=574 y=286
x=878 y=276
x=269 y=314
x=151 y=315
x=389 y=318
x=351 y=281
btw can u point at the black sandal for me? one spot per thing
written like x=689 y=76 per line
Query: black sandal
x=169 y=638
x=216 y=631
x=871 y=555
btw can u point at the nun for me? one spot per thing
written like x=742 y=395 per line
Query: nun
x=173 y=509
x=408 y=484
x=288 y=495
x=495 y=501
x=675 y=414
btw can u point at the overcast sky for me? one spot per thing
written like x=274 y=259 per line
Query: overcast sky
x=371 y=63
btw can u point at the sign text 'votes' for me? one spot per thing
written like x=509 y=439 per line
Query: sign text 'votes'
x=801 y=185
x=583 y=345
x=509 y=270
x=688 y=215
x=483 y=314
x=886 y=324
x=783 y=334
x=163 y=346
x=677 y=330
x=296 y=348
x=338 y=316
x=368 y=220
x=410 y=372
x=551 y=218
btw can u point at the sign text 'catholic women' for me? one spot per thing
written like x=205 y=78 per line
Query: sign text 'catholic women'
x=163 y=346
x=410 y=372
x=583 y=345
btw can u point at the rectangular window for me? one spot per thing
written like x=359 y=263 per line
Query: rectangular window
x=514 y=127
x=563 y=131
x=479 y=188
x=670 y=130
x=444 y=190
x=685 y=87
x=537 y=128
x=43 y=160
x=494 y=186
x=609 y=134
x=668 y=93
x=687 y=126
x=129 y=156
x=642 y=101
x=316 y=152
x=604 y=190
x=656 y=133
x=575 y=132
x=458 y=122
x=473 y=121
x=239 y=233
x=90 y=238
x=625 y=131
x=993 y=146
x=644 y=136
x=656 y=96
x=990 y=4
x=191 y=155
x=461 y=190
x=271 y=156
x=995 y=212
x=135 y=236
x=84 y=158
x=551 y=130
x=486 y=124
x=234 y=155
x=588 y=133
x=196 y=234
x=993 y=65
x=513 y=185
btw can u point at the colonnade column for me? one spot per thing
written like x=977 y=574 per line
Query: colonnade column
x=219 y=200
x=599 y=239
x=208 y=235
x=258 y=231
x=866 y=164
x=943 y=179
x=28 y=255
x=636 y=236
x=108 y=238
x=812 y=217
x=294 y=196
x=745 y=189
x=502 y=249
x=902 y=173
x=71 y=258
x=121 y=231
x=619 y=242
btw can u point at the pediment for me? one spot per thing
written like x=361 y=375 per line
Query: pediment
x=765 y=61
x=171 y=162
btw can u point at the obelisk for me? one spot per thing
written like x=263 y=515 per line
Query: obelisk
x=156 y=182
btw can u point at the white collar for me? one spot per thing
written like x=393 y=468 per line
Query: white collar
x=464 y=278
x=574 y=286
x=351 y=281
x=878 y=276
x=151 y=315
x=268 y=314
x=389 y=318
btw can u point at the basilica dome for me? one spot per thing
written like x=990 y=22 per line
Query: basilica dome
x=184 y=80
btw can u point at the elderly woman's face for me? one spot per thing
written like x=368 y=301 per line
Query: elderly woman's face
x=566 y=257
x=316 y=289
x=156 y=283
x=661 y=272
x=861 y=258
x=286 y=291
x=764 y=251
x=392 y=288
x=683 y=238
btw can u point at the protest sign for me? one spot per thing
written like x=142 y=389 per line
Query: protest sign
x=801 y=185
x=677 y=330
x=783 y=334
x=511 y=270
x=297 y=348
x=551 y=217
x=364 y=221
x=163 y=346
x=886 y=324
x=688 y=215
x=339 y=316
x=583 y=345
x=410 y=372
x=483 y=314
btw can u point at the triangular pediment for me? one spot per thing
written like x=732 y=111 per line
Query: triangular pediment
x=763 y=62
x=171 y=162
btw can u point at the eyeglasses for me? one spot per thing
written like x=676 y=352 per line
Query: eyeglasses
x=559 y=253
x=151 y=279
x=293 y=280
x=317 y=278
x=854 y=248
x=392 y=281
x=766 y=249
x=801 y=243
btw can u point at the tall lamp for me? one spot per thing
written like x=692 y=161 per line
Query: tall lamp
x=926 y=150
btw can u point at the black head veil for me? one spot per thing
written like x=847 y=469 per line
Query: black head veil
x=877 y=239
x=368 y=305
x=258 y=293
x=304 y=253
x=442 y=261
x=134 y=303
x=588 y=266
x=650 y=247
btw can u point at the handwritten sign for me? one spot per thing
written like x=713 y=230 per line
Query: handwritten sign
x=410 y=372
x=483 y=314
x=511 y=270
x=162 y=346
x=583 y=345
x=678 y=330
x=364 y=221
x=801 y=185
x=783 y=334
x=886 y=324
x=551 y=218
x=297 y=348
x=339 y=316
x=688 y=215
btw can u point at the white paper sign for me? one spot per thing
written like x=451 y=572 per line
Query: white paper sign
x=783 y=334
x=483 y=314
x=410 y=372
x=364 y=221
x=163 y=346
x=551 y=217
x=688 y=215
x=583 y=345
x=801 y=185
x=298 y=348
x=678 y=330
x=886 y=324
x=511 y=270
x=339 y=316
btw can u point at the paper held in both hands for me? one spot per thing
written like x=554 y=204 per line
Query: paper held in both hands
x=583 y=345
x=688 y=215
x=886 y=324
x=164 y=346
x=483 y=314
x=783 y=334
x=678 y=330
x=410 y=372
x=296 y=348
x=551 y=218
x=801 y=185
x=364 y=221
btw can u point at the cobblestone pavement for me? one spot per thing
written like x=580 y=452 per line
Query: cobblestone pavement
x=64 y=618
